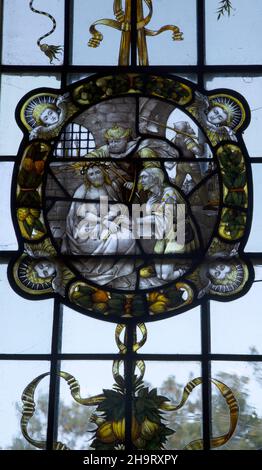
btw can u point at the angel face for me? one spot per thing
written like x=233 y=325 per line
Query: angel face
x=95 y=176
x=217 y=115
x=219 y=271
x=45 y=269
x=49 y=116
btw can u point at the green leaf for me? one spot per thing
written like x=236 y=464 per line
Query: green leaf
x=28 y=228
x=39 y=226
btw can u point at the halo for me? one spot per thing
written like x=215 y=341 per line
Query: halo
x=27 y=282
x=26 y=113
x=233 y=106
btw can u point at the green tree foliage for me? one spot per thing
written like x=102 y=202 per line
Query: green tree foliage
x=224 y=8
x=73 y=430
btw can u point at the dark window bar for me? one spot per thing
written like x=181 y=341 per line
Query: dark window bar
x=56 y=356
x=53 y=404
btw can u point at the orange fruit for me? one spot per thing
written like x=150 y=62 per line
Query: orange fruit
x=100 y=296
x=39 y=166
x=28 y=164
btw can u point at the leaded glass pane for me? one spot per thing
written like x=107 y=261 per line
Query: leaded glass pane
x=244 y=380
x=181 y=335
x=33 y=324
x=88 y=335
x=250 y=86
x=15 y=376
x=13 y=87
x=254 y=240
x=231 y=333
x=170 y=378
x=8 y=239
x=226 y=41
x=23 y=27
x=173 y=52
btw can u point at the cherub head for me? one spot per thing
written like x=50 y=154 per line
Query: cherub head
x=225 y=276
x=224 y=111
x=219 y=271
x=46 y=114
x=45 y=269
x=218 y=116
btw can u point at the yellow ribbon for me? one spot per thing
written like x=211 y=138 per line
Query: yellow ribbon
x=233 y=411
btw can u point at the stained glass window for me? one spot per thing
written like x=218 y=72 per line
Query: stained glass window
x=130 y=248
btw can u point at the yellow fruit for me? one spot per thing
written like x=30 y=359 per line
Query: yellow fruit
x=162 y=298
x=22 y=214
x=148 y=429
x=158 y=307
x=146 y=272
x=105 y=432
x=101 y=307
x=30 y=219
x=156 y=297
x=119 y=429
x=35 y=213
x=153 y=297
x=28 y=164
x=100 y=296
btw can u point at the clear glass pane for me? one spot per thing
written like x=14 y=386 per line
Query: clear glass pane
x=13 y=88
x=75 y=77
x=15 y=376
x=234 y=39
x=236 y=326
x=170 y=379
x=177 y=335
x=7 y=236
x=257 y=265
x=162 y=50
x=250 y=86
x=82 y=334
x=245 y=381
x=25 y=326
x=84 y=16
x=254 y=242
x=22 y=28
x=74 y=427
x=188 y=76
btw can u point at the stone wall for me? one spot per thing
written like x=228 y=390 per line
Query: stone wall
x=99 y=118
